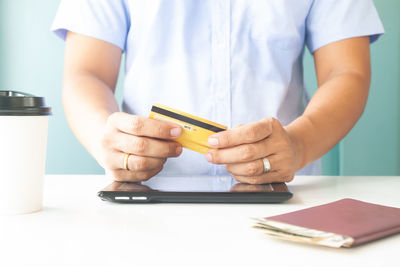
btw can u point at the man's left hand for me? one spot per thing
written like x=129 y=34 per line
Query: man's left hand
x=243 y=148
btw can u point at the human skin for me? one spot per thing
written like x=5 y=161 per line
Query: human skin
x=90 y=73
x=343 y=74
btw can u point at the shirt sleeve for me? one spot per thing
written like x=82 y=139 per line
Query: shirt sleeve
x=333 y=20
x=107 y=20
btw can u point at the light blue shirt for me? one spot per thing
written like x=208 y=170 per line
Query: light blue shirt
x=232 y=62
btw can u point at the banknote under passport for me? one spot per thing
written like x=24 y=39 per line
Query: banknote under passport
x=196 y=130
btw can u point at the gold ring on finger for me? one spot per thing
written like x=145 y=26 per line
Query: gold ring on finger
x=126 y=160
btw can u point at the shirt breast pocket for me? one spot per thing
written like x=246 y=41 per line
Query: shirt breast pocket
x=285 y=38
x=275 y=24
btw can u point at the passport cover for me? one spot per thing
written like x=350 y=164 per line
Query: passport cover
x=347 y=222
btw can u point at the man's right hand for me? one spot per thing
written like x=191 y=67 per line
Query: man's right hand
x=149 y=142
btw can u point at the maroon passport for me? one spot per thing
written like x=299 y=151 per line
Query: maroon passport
x=361 y=221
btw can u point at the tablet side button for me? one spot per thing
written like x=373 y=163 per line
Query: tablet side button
x=139 y=198
x=121 y=198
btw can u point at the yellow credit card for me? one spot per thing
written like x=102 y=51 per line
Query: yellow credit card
x=196 y=130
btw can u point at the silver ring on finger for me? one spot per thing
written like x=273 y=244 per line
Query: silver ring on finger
x=126 y=160
x=267 y=165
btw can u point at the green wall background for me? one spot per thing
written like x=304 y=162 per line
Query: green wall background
x=31 y=60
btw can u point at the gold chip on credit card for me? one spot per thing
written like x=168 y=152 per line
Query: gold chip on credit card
x=196 y=130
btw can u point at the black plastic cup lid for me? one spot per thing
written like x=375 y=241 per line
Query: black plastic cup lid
x=14 y=103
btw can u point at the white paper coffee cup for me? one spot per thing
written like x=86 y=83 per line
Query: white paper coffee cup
x=23 y=139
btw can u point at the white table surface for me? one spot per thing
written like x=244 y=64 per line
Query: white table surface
x=76 y=228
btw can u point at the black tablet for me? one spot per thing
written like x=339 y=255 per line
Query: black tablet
x=194 y=189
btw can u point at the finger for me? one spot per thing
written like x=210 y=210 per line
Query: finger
x=115 y=160
x=278 y=163
x=252 y=168
x=242 y=153
x=131 y=176
x=246 y=134
x=141 y=164
x=149 y=147
x=142 y=126
x=281 y=171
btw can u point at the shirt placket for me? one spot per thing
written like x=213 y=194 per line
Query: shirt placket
x=221 y=71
